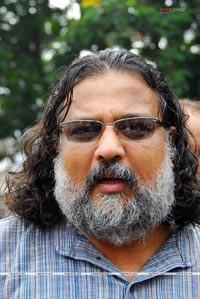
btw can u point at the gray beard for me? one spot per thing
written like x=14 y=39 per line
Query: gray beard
x=113 y=217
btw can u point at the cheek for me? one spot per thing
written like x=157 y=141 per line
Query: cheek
x=148 y=160
x=76 y=160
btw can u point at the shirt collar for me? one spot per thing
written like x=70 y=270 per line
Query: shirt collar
x=178 y=252
x=72 y=243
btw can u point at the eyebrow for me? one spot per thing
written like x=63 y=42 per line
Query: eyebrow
x=124 y=116
x=135 y=115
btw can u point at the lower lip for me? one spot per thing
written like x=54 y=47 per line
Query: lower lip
x=111 y=187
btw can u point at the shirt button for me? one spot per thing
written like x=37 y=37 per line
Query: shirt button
x=98 y=258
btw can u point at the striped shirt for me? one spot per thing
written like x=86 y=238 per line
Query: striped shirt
x=60 y=263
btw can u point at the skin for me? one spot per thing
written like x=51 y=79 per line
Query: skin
x=193 y=123
x=194 y=126
x=108 y=97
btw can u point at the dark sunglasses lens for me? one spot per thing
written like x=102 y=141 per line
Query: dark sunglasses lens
x=82 y=131
x=136 y=128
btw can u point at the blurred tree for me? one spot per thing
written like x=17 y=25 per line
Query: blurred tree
x=37 y=40
x=23 y=76
x=171 y=40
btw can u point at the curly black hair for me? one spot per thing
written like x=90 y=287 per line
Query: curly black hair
x=30 y=192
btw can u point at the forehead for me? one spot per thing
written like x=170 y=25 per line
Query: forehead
x=113 y=94
x=194 y=124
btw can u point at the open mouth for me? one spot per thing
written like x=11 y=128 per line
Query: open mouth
x=110 y=184
x=109 y=180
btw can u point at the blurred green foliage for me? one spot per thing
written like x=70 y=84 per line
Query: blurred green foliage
x=37 y=40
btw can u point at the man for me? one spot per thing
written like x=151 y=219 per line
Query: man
x=108 y=201
x=192 y=109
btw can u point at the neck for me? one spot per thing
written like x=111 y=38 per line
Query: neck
x=132 y=257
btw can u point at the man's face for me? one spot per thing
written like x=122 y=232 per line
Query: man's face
x=109 y=97
x=194 y=126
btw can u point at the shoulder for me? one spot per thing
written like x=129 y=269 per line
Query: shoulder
x=194 y=236
x=12 y=231
x=191 y=234
x=23 y=244
x=12 y=227
x=16 y=232
x=188 y=239
x=21 y=240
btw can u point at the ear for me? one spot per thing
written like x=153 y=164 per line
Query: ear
x=172 y=134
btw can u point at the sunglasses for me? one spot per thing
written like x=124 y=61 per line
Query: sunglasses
x=133 y=128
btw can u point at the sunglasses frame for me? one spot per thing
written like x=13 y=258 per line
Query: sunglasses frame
x=155 y=120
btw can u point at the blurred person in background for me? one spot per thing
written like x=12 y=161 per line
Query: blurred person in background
x=107 y=204
x=192 y=109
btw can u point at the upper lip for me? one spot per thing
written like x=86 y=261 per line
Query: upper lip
x=109 y=177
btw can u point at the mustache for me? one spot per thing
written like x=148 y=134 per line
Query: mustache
x=110 y=168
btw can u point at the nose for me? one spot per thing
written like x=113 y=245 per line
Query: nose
x=109 y=145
